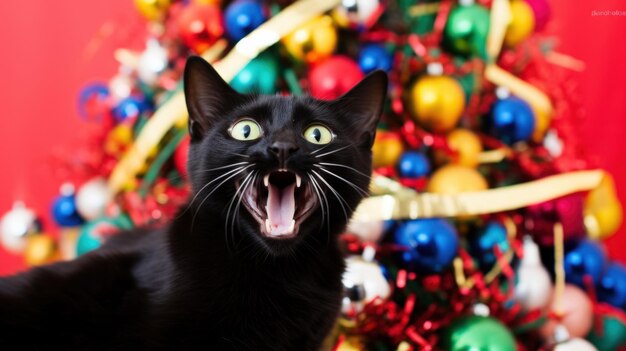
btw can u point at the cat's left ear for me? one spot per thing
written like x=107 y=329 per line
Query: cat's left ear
x=207 y=95
x=364 y=104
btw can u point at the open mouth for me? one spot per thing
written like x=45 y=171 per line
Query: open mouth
x=279 y=202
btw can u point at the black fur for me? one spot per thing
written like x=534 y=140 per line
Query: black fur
x=205 y=281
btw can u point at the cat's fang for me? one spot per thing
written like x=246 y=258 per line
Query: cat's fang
x=266 y=180
x=298 y=181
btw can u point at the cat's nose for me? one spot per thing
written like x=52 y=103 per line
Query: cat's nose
x=283 y=149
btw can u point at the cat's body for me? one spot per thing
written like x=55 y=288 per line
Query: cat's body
x=251 y=264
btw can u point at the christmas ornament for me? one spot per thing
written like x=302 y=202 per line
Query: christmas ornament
x=92 y=101
x=64 y=211
x=373 y=57
x=180 y=157
x=313 y=42
x=478 y=333
x=259 y=76
x=92 y=198
x=152 y=9
x=467 y=145
x=130 y=107
x=566 y=210
x=242 y=17
x=610 y=334
x=121 y=86
x=40 y=249
x=541 y=12
x=357 y=14
x=603 y=211
x=454 y=179
x=512 y=120
x=431 y=244
x=522 y=23
x=612 y=286
x=200 y=26
x=574 y=312
x=363 y=281
x=152 y=62
x=16 y=225
x=387 y=149
x=533 y=289
x=575 y=344
x=367 y=231
x=334 y=77
x=586 y=258
x=94 y=233
x=413 y=164
x=437 y=102
x=466 y=30
x=482 y=245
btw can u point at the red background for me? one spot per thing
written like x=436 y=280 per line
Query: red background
x=50 y=49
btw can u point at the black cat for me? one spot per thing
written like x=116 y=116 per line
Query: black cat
x=251 y=264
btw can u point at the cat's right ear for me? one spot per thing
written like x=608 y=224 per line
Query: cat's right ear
x=207 y=95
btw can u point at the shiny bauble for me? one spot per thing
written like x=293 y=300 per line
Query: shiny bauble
x=64 y=211
x=437 y=102
x=40 y=249
x=512 y=120
x=533 y=289
x=612 y=286
x=567 y=210
x=522 y=23
x=181 y=155
x=121 y=85
x=454 y=179
x=370 y=231
x=577 y=314
x=96 y=232
x=334 y=77
x=575 y=344
x=542 y=12
x=482 y=245
x=152 y=62
x=467 y=146
x=312 y=42
x=92 y=198
x=466 y=30
x=431 y=244
x=153 y=9
x=478 y=333
x=374 y=57
x=603 y=211
x=242 y=17
x=387 y=149
x=130 y=108
x=363 y=281
x=586 y=258
x=16 y=225
x=357 y=14
x=259 y=76
x=200 y=26
x=611 y=336
x=413 y=164
x=93 y=101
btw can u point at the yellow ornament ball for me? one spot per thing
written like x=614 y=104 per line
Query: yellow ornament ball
x=387 y=149
x=454 y=179
x=152 y=9
x=467 y=145
x=40 y=249
x=313 y=41
x=603 y=211
x=522 y=23
x=437 y=102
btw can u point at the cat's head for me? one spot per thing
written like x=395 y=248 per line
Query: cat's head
x=279 y=169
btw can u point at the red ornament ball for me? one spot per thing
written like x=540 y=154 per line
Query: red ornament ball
x=334 y=77
x=200 y=26
x=180 y=157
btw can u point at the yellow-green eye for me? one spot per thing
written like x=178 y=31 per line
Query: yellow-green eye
x=245 y=129
x=318 y=134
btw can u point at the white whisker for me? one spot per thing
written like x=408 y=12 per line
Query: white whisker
x=337 y=195
x=227 y=166
x=348 y=167
x=246 y=179
x=354 y=186
x=332 y=152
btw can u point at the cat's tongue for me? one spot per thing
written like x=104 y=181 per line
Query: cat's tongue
x=281 y=207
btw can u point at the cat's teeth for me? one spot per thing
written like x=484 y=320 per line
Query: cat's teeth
x=266 y=180
x=282 y=169
x=292 y=226
x=298 y=181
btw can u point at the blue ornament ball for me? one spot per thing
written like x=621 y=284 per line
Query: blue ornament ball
x=482 y=245
x=130 y=107
x=373 y=57
x=413 y=164
x=585 y=258
x=242 y=17
x=64 y=211
x=512 y=120
x=612 y=286
x=92 y=101
x=433 y=244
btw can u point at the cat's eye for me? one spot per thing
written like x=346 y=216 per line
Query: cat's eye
x=245 y=130
x=318 y=134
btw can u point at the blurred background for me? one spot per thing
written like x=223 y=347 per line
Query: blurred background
x=51 y=49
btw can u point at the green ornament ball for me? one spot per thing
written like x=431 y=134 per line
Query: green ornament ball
x=477 y=333
x=467 y=29
x=611 y=337
x=93 y=233
x=259 y=76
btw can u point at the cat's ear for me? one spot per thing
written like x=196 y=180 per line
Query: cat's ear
x=364 y=104
x=207 y=95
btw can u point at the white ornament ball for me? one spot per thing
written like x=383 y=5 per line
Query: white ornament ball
x=15 y=226
x=121 y=86
x=575 y=344
x=152 y=62
x=368 y=278
x=92 y=198
x=534 y=286
x=370 y=231
x=358 y=11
